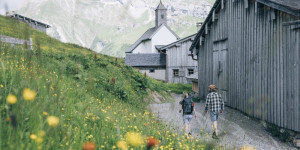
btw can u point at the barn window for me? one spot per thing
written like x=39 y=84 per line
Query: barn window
x=162 y=16
x=175 y=72
x=152 y=70
x=191 y=71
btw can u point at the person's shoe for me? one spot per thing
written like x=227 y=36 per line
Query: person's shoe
x=214 y=136
x=189 y=134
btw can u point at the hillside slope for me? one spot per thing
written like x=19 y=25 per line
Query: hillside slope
x=111 y=26
x=75 y=97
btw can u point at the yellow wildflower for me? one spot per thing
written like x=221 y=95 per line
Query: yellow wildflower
x=11 y=99
x=134 y=139
x=41 y=133
x=28 y=95
x=122 y=145
x=39 y=147
x=33 y=137
x=45 y=113
x=39 y=140
x=53 y=121
x=90 y=136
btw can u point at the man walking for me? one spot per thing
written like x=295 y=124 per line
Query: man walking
x=215 y=103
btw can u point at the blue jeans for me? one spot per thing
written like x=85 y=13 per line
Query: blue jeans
x=214 y=116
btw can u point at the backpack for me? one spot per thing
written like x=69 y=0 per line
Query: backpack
x=188 y=105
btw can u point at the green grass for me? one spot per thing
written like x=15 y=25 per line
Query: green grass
x=179 y=88
x=75 y=85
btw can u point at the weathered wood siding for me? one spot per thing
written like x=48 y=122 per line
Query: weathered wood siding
x=262 y=63
x=177 y=58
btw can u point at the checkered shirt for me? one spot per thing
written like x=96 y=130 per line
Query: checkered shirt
x=215 y=101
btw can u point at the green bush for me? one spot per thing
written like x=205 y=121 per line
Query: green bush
x=179 y=88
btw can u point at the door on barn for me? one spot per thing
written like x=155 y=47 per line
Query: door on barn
x=220 y=67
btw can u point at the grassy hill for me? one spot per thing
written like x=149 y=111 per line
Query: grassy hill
x=75 y=96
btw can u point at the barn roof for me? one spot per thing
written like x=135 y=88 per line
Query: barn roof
x=145 y=60
x=29 y=19
x=191 y=37
x=148 y=35
x=289 y=6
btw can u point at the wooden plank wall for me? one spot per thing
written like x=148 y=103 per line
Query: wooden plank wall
x=178 y=59
x=262 y=61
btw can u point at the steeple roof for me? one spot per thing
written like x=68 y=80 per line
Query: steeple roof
x=161 y=6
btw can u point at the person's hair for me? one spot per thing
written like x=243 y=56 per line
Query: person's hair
x=185 y=95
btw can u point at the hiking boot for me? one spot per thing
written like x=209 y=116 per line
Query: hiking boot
x=190 y=134
x=214 y=136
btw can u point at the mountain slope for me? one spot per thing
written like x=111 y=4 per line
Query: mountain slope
x=111 y=26
x=90 y=98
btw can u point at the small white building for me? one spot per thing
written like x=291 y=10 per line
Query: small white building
x=144 y=55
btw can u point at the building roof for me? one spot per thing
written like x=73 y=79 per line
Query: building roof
x=159 y=46
x=289 y=6
x=148 y=35
x=145 y=60
x=191 y=37
x=29 y=19
x=161 y=6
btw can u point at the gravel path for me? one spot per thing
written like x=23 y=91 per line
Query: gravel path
x=235 y=128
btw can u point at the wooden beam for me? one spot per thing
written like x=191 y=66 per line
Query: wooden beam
x=273 y=15
x=200 y=41
x=256 y=9
x=213 y=16
x=291 y=23
x=246 y=3
x=194 y=51
x=206 y=28
x=222 y=4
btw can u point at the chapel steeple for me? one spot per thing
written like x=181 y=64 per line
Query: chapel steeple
x=160 y=15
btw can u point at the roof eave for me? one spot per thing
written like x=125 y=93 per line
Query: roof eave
x=178 y=41
x=280 y=7
x=47 y=26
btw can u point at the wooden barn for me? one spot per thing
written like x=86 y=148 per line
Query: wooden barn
x=251 y=50
x=178 y=64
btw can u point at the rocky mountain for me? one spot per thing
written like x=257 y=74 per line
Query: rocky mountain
x=111 y=26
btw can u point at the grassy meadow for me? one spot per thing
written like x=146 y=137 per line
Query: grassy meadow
x=63 y=96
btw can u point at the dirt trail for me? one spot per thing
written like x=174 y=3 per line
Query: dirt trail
x=240 y=129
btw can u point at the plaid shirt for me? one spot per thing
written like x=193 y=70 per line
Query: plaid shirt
x=215 y=101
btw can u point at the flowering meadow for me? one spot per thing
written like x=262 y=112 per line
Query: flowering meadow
x=62 y=96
